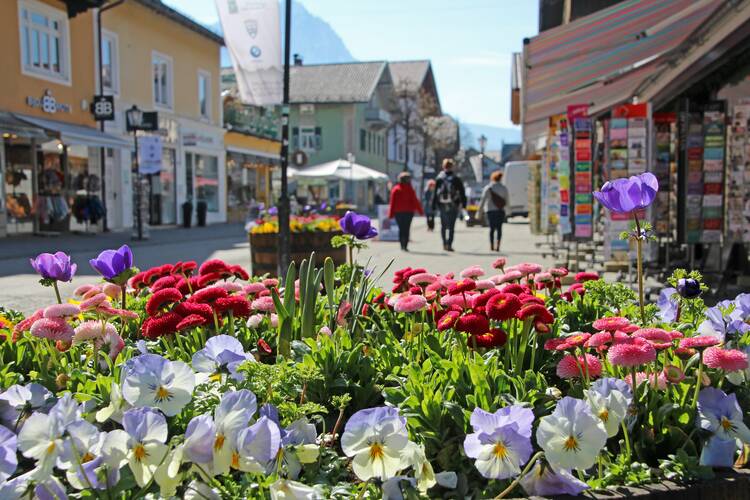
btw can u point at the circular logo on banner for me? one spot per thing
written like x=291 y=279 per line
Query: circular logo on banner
x=255 y=51
x=299 y=158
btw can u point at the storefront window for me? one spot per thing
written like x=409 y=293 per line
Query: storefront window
x=207 y=180
x=167 y=178
x=19 y=192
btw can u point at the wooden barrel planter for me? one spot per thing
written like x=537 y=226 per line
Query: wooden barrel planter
x=264 y=256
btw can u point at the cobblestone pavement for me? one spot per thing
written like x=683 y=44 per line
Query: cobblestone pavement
x=19 y=288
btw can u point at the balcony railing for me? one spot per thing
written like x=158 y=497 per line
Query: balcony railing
x=262 y=122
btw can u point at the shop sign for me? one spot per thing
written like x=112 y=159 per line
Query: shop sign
x=103 y=108
x=195 y=139
x=47 y=103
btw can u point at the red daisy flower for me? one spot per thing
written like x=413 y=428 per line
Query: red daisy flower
x=473 y=323
x=611 y=324
x=527 y=298
x=494 y=338
x=462 y=286
x=212 y=266
x=729 y=360
x=208 y=279
x=574 y=340
x=264 y=347
x=700 y=342
x=188 y=308
x=447 y=320
x=208 y=295
x=503 y=306
x=164 y=282
x=238 y=306
x=553 y=344
x=583 y=277
x=536 y=311
x=138 y=281
x=685 y=352
x=190 y=321
x=161 y=299
x=573 y=366
x=157 y=326
x=239 y=273
x=185 y=268
x=514 y=288
x=660 y=339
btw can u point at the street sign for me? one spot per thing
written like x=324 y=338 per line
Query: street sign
x=299 y=158
x=103 y=108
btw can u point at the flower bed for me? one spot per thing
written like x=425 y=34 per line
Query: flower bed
x=200 y=381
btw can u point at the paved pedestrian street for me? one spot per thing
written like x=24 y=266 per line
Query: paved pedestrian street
x=20 y=289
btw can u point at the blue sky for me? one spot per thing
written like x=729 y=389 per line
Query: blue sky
x=468 y=41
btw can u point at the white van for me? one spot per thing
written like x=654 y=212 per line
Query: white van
x=516 y=179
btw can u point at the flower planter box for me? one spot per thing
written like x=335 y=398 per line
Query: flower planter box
x=728 y=485
x=264 y=256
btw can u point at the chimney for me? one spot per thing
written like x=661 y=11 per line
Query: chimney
x=297 y=60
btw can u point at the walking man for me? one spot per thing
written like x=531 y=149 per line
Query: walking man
x=449 y=199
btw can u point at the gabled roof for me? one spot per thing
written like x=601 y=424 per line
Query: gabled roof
x=336 y=83
x=160 y=8
x=411 y=73
x=603 y=57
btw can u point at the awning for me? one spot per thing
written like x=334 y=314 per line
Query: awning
x=600 y=59
x=338 y=169
x=9 y=124
x=69 y=133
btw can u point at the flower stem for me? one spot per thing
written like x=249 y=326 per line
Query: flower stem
x=57 y=292
x=639 y=264
x=123 y=292
x=626 y=439
x=525 y=471
x=698 y=378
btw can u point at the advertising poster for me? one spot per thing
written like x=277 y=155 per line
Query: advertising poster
x=582 y=200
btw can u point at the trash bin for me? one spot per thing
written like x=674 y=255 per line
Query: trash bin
x=187 y=214
x=201 y=211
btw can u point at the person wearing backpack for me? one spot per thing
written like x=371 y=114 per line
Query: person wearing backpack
x=492 y=204
x=449 y=199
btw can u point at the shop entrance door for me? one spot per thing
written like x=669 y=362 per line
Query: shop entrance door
x=18 y=177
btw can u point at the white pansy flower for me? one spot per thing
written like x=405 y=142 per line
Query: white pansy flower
x=153 y=381
x=376 y=439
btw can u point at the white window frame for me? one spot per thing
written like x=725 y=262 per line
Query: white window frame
x=63 y=77
x=163 y=58
x=204 y=75
x=115 y=55
x=307 y=139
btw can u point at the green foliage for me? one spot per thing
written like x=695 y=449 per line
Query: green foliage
x=685 y=468
x=623 y=471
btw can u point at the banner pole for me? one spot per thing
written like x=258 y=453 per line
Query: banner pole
x=284 y=233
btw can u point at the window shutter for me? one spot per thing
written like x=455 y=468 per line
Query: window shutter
x=295 y=138
x=362 y=139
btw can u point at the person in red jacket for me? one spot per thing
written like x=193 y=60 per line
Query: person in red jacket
x=404 y=203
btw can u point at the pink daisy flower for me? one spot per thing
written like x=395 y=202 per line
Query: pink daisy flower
x=52 y=329
x=422 y=279
x=61 y=311
x=543 y=278
x=729 y=360
x=611 y=324
x=94 y=329
x=254 y=321
x=699 y=342
x=499 y=263
x=558 y=272
x=676 y=335
x=107 y=310
x=527 y=268
x=585 y=276
x=410 y=303
x=112 y=342
x=264 y=304
x=571 y=366
x=456 y=300
x=599 y=339
x=93 y=302
x=472 y=272
x=553 y=344
x=92 y=292
x=485 y=284
x=271 y=282
x=660 y=339
x=655 y=381
x=635 y=354
x=81 y=290
x=509 y=277
x=230 y=286
x=253 y=288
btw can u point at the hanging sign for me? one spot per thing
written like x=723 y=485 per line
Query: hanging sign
x=103 y=108
x=149 y=154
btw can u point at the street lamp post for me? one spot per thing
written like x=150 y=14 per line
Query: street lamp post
x=284 y=209
x=351 y=159
x=482 y=143
x=134 y=118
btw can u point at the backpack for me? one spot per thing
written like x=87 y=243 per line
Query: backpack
x=448 y=193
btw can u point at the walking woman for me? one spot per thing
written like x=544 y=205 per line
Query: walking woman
x=404 y=203
x=492 y=204
x=429 y=211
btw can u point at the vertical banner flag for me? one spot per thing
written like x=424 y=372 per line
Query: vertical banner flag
x=583 y=203
x=252 y=33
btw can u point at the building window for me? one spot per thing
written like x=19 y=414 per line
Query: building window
x=44 y=41
x=204 y=94
x=295 y=138
x=207 y=180
x=362 y=139
x=110 y=69
x=307 y=139
x=161 y=66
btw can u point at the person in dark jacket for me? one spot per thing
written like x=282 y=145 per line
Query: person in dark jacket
x=429 y=211
x=404 y=203
x=450 y=198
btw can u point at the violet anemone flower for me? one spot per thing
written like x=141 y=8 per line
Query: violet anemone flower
x=357 y=225
x=54 y=266
x=115 y=266
x=626 y=195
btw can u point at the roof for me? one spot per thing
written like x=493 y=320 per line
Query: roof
x=333 y=83
x=602 y=58
x=410 y=73
x=160 y=8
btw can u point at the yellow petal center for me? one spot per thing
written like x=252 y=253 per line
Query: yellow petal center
x=604 y=415
x=571 y=444
x=235 y=460
x=162 y=394
x=140 y=452
x=219 y=443
x=726 y=424
x=51 y=448
x=88 y=457
x=500 y=450
x=376 y=451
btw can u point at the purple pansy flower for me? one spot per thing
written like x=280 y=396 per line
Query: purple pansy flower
x=720 y=414
x=114 y=265
x=8 y=458
x=222 y=352
x=54 y=266
x=543 y=481
x=626 y=195
x=357 y=225
x=273 y=211
x=200 y=436
x=667 y=305
x=501 y=441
